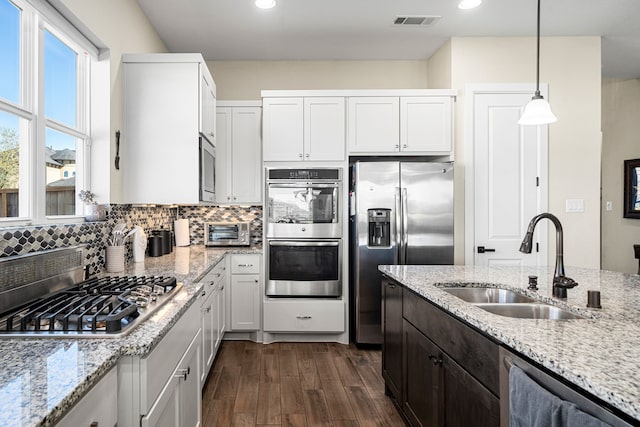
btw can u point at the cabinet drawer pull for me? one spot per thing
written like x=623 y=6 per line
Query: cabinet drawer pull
x=245 y=265
x=303 y=317
x=183 y=373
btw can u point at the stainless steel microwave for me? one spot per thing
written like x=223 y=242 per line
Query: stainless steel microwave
x=227 y=234
x=207 y=170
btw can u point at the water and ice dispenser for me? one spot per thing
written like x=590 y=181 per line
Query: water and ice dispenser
x=379 y=227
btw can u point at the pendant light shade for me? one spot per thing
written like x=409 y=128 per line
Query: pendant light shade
x=537 y=111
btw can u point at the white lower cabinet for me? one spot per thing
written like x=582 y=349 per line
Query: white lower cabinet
x=99 y=407
x=304 y=316
x=213 y=316
x=245 y=293
x=179 y=403
x=163 y=388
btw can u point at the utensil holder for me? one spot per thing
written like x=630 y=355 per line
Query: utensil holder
x=115 y=259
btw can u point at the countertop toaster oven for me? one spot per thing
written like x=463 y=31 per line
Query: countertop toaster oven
x=227 y=234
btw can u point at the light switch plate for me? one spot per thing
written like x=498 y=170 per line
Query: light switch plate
x=609 y=205
x=574 y=205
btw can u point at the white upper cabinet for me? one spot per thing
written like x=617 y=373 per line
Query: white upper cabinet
x=169 y=102
x=324 y=128
x=303 y=128
x=283 y=130
x=425 y=124
x=400 y=125
x=373 y=124
x=208 y=109
x=239 y=161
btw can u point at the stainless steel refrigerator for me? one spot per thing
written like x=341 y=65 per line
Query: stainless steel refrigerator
x=401 y=212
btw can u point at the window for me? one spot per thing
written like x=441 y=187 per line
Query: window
x=44 y=113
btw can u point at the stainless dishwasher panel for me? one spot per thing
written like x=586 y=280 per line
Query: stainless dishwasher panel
x=553 y=385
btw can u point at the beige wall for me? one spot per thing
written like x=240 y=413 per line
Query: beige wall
x=439 y=68
x=123 y=28
x=243 y=80
x=620 y=127
x=574 y=141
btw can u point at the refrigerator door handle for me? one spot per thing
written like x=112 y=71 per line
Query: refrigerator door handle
x=405 y=221
x=398 y=223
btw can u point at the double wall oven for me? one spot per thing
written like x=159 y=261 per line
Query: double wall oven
x=303 y=222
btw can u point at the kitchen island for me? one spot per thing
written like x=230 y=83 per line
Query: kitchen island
x=599 y=354
x=41 y=378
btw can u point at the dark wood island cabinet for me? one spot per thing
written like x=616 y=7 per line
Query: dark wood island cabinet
x=439 y=371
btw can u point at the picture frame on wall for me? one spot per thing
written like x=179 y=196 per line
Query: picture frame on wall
x=632 y=188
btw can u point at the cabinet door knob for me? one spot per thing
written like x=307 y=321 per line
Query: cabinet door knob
x=228 y=197
x=404 y=146
x=256 y=280
x=307 y=155
x=435 y=359
x=300 y=155
x=397 y=145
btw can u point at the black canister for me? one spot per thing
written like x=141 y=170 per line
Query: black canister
x=167 y=240
x=155 y=247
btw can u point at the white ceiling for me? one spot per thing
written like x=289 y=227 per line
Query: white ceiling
x=363 y=30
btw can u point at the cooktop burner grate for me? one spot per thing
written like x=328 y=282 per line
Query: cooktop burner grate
x=104 y=305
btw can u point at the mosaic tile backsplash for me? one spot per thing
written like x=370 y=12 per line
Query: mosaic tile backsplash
x=25 y=239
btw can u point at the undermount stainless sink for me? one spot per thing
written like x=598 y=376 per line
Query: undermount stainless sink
x=529 y=311
x=488 y=295
x=505 y=302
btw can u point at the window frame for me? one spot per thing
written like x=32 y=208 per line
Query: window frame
x=35 y=20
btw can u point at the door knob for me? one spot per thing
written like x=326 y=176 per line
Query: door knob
x=482 y=249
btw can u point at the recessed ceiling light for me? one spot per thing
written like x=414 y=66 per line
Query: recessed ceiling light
x=265 y=4
x=469 y=4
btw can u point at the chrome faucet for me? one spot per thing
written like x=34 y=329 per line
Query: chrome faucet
x=560 y=281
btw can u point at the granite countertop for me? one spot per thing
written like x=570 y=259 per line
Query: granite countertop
x=600 y=354
x=42 y=378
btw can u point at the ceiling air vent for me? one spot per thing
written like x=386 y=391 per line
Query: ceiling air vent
x=423 y=21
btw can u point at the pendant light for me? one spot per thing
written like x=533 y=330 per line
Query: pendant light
x=537 y=111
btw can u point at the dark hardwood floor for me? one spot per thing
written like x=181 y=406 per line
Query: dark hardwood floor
x=296 y=384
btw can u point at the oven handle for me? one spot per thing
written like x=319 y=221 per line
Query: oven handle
x=305 y=243
x=306 y=184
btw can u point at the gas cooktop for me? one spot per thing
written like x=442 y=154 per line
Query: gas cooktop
x=104 y=307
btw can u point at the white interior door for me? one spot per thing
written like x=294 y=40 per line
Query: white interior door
x=506 y=185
